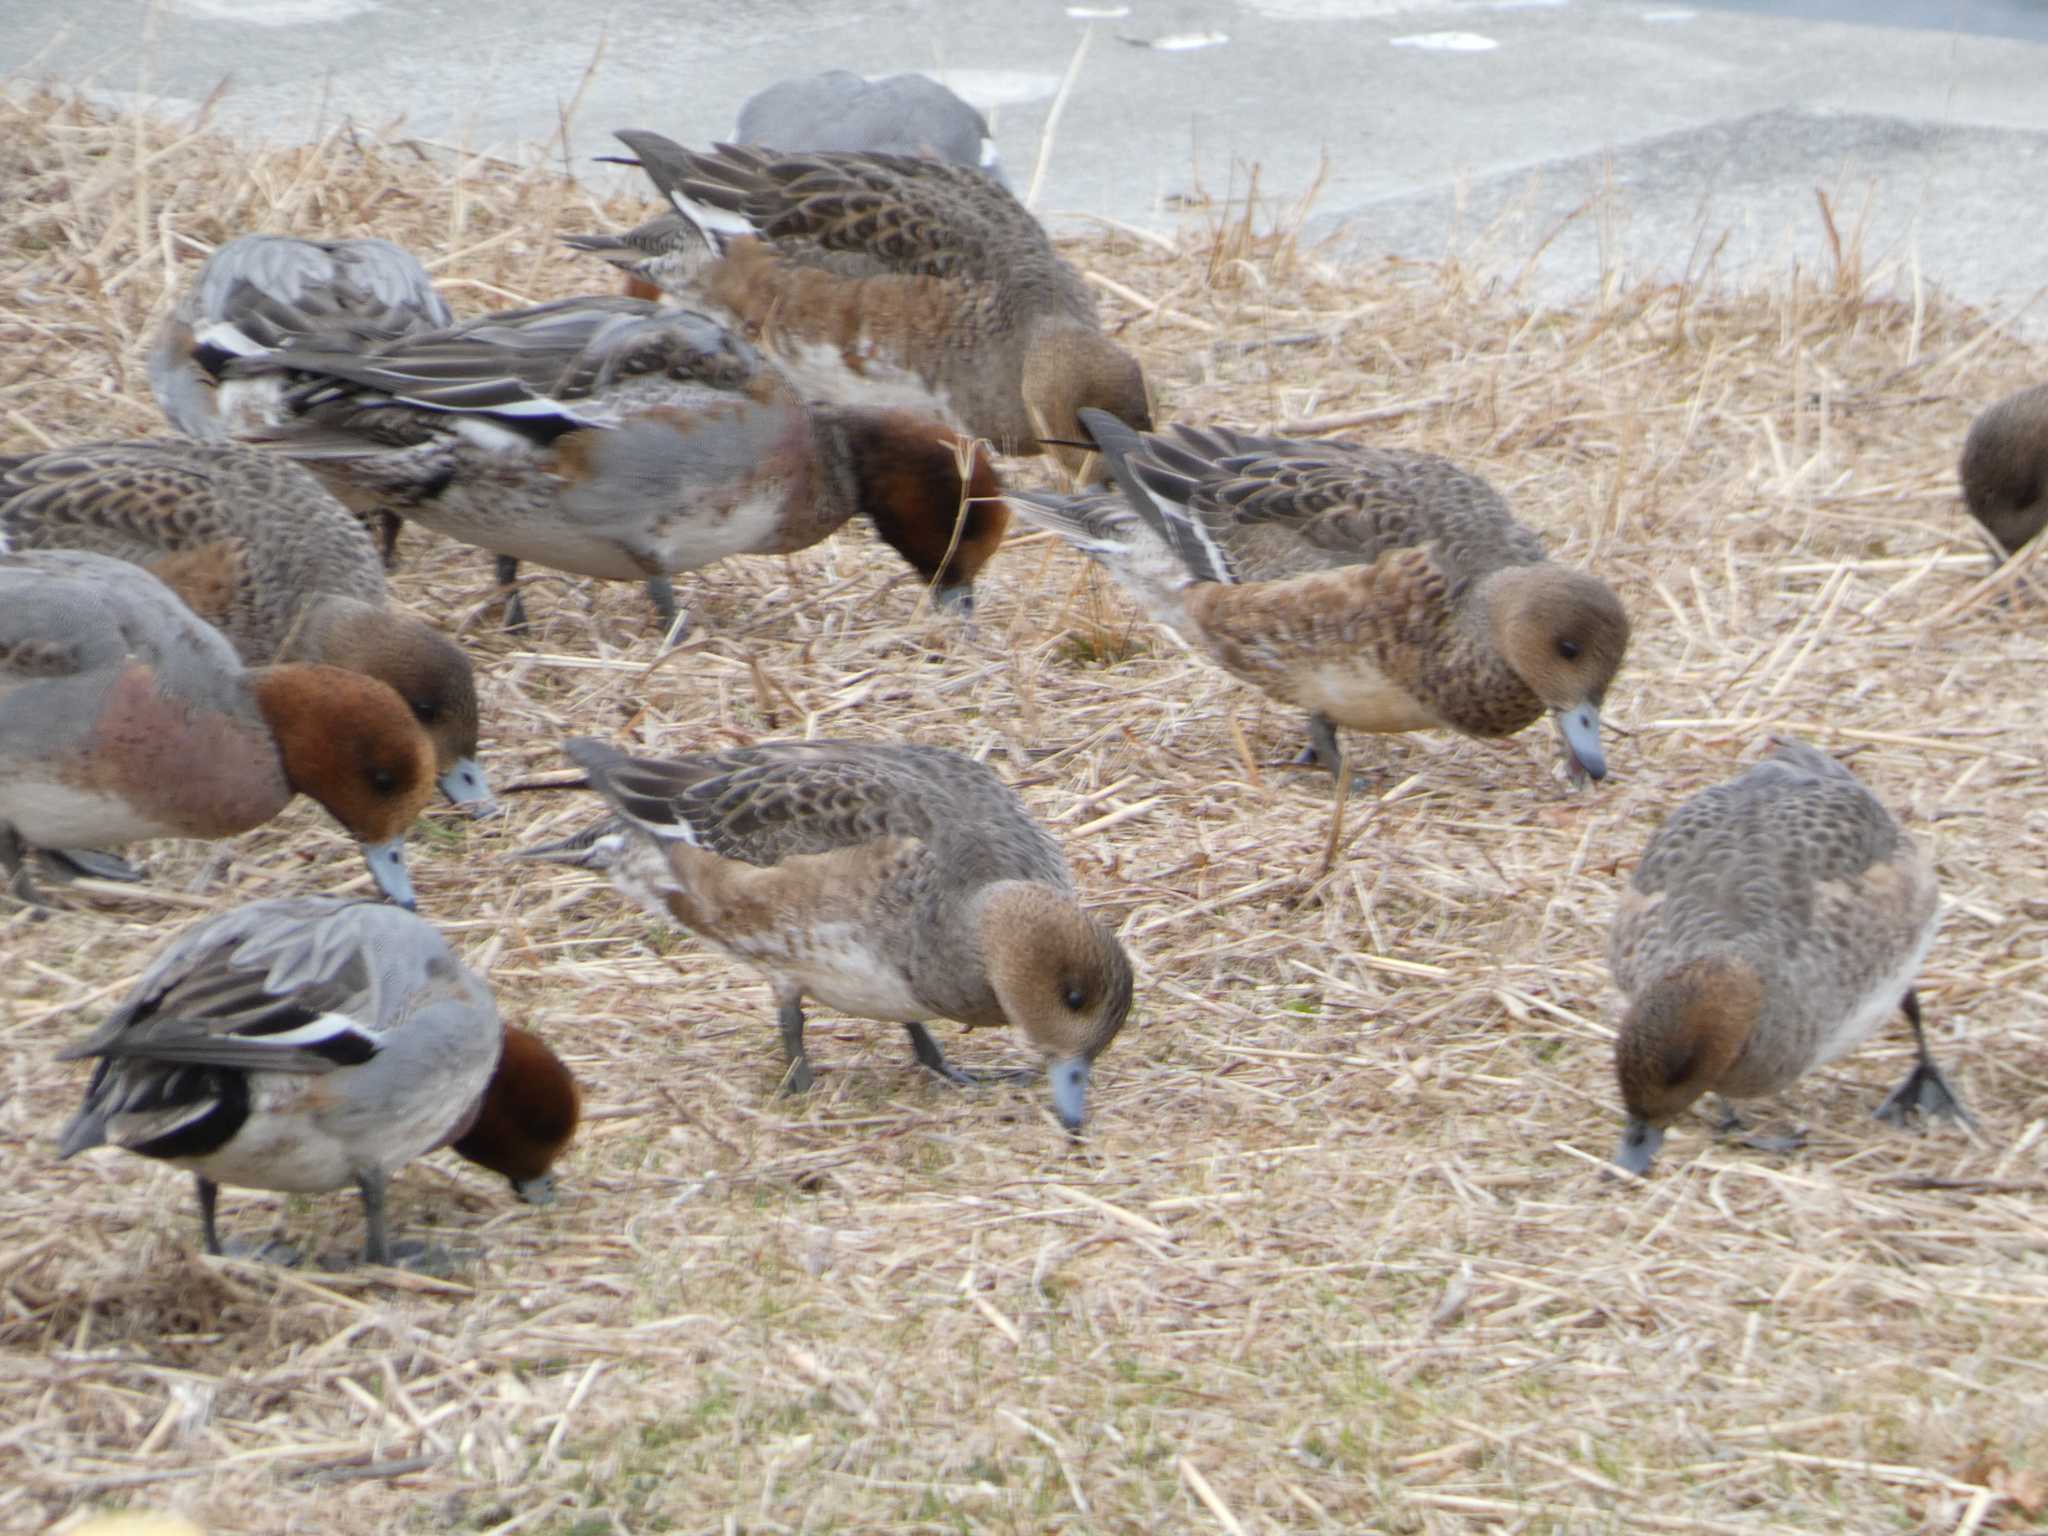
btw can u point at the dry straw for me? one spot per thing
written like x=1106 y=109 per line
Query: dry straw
x=1338 y=1253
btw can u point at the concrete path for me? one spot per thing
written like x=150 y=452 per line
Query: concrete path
x=1444 y=125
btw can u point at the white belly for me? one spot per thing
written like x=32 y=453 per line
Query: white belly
x=838 y=964
x=64 y=816
x=1874 y=1006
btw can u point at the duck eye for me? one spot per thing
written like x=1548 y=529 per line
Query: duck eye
x=383 y=780
x=426 y=713
x=1568 y=649
x=1074 y=998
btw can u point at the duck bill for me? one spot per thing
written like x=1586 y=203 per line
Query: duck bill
x=1580 y=728
x=956 y=599
x=536 y=1191
x=1069 y=1079
x=1639 y=1144
x=387 y=867
x=463 y=783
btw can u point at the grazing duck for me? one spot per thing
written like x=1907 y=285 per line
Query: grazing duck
x=887 y=281
x=907 y=114
x=124 y=716
x=1377 y=589
x=310 y=1044
x=1774 y=923
x=2005 y=468
x=261 y=292
x=255 y=546
x=890 y=882
x=611 y=437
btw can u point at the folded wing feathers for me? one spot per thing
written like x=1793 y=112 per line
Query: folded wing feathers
x=638 y=790
x=1159 y=494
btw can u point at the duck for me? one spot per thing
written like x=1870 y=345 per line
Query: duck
x=1772 y=925
x=906 y=114
x=1378 y=589
x=259 y=292
x=887 y=880
x=2005 y=468
x=886 y=280
x=124 y=716
x=622 y=439
x=903 y=114
x=311 y=1043
x=255 y=545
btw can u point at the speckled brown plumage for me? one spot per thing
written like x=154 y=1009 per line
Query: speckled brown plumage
x=891 y=280
x=258 y=548
x=886 y=880
x=1379 y=590
x=1773 y=923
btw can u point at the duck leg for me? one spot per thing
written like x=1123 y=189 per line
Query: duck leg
x=933 y=1060
x=15 y=852
x=515 y=608
x=268 y=1252
x=662 y=593
x=789 y=1014
x=1323 y=751
x=72 y=863
x=209 y=1197
x=391 y=524
x=1732 y=1124
x=1925 y=1091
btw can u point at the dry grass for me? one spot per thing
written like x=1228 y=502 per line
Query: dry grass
x=1338 y=1253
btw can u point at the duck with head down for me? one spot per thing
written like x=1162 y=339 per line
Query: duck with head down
x=616 y=439
x=311 y=1044
x=888 y=881
x=123 y=716
x=2005 y=468
x=1773 y=924
x=255 y=546
x=1377 y=589
x=887 y=280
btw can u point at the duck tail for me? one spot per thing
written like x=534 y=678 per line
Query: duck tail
x=88 y=1129
x=1157 y=495
x=664 y=254
x=593 y=847
x=707 y=203
x=1128 y=546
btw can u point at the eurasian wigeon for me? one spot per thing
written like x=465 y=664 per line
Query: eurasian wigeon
x=1774 y=923
x=887 y=280
x=125 y=716
x=907 y=114
x=2005 y=468
x=260 y=292
x=612 y=437
x=887 y=881
x=256 y=546
x=309 y=1044
x=1379 y=590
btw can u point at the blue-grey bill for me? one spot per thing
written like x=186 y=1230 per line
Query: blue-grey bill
x=464 y=785
x=1069 y=1079
x=1639 y=1144
x=387 y=868
x=1580 y=728
x=537 y=1191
